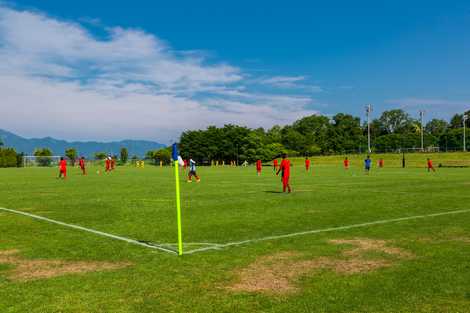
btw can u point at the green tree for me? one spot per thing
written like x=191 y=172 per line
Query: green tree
x=436 y=127
x=294 y=140
x=346 y=133
x=19 y=159
x=124 y=155
x=452 y=139
x=274 y=135
x=314 y=130
x=396 y=121
x=100 y=155
x=43 y=156
x=163 y=155
x=8 y=157
x=71 y=153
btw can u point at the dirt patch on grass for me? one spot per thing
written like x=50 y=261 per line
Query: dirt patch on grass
x=26 y=269
x=363 y=245
x=278 y=273
x=462 y=239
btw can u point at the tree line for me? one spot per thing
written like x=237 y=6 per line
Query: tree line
x=320 y=135
x=343 y=133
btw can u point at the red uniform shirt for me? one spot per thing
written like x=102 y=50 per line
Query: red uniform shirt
x=63 y=165
x=429 y=163
x=307 y=163
x=276 y=163
x=346 y=163
x=81 y=163
x=285 y=168
x=258 y=165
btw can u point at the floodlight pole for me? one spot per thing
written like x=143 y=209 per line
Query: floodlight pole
x=368 y=111
x=421 y=116
x=465 y=117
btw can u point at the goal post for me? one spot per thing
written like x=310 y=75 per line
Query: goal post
x=40 y=161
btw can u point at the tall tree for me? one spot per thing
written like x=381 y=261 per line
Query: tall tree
x=346 y=133
x=396 y=121
x=71 y=153
x=124 y=155
x=314 y=129
x=100 y=155
x=436 y=127
x=274 y=135
x=43 y=156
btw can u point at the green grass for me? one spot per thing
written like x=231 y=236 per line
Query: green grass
x=233 y=204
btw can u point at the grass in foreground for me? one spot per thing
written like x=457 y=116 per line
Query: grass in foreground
x=417 y=265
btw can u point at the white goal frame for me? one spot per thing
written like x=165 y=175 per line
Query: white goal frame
x=31 y=160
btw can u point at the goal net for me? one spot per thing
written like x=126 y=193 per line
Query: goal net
x=43 y=161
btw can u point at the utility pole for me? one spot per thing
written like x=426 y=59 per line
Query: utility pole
x=465 y=117
x=421 y=116
x=368 y=111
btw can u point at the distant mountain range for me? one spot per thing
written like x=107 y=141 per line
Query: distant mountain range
x=85 y=148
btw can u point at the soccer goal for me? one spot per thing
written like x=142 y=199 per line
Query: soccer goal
x=42 y=161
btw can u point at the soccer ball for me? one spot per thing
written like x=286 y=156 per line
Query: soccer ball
x=98 y=172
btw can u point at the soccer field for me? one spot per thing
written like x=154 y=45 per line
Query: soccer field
x=397 y=240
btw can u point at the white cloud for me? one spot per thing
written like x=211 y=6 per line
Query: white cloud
x=56 y=78
x=290 y=82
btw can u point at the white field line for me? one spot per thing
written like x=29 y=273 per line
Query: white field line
x=132 y=241
x=331 y=229
x=243 y=242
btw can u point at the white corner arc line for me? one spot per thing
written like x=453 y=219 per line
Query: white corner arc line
x=324 y=230
x=97 y=232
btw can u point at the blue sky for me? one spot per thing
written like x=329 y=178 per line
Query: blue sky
x=150 y=69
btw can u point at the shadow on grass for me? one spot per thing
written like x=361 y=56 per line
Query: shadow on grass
x=272 y=191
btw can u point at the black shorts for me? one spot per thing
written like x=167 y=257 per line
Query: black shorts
x=192 y=173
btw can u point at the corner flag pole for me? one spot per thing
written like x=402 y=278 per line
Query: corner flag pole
x=178 y=202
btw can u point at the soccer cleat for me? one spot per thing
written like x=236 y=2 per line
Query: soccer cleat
x=198 y=181
x=189 y=181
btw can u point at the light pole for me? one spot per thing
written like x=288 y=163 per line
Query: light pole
x=421 y=116
x=368 y=111
x=465 y=117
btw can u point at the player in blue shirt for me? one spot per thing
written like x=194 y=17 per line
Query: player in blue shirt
x=192 y=171
x=367 y=164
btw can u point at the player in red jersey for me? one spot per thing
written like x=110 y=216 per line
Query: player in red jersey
x=346 y=163
x=185 y=165
x=81 y=163
x=275 y=165
x=113 y=163
x=107 y=164
x=307 y=164
x=62 y=168
x=430 y=166
x=381 y=163
x=258 y=167
x=285 y=169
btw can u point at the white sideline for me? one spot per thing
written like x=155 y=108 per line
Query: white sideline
x=97 y=232
x=238 y=243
